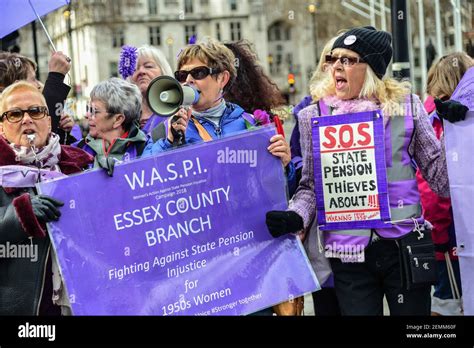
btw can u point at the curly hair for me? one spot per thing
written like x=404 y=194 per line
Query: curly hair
x=252 y=89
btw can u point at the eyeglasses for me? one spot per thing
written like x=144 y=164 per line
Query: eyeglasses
x=199 y=73
x=93 y=111
x=345 y=60
x=35 y=112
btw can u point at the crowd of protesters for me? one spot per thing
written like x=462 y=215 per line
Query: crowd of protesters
x=351 y=77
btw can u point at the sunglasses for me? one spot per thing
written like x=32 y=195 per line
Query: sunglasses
x=35 y=112
x=199 y=73
x=345 y=60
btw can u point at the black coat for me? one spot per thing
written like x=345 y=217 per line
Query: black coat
x=23 y=283
x=55 y=92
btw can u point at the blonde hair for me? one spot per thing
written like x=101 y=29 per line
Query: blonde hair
x=158 y=56
x=389 y=92
x=321 y=74
x=213 y=53
x=20 y=85
x=446 y=73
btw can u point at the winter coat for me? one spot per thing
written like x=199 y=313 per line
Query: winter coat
x=129 y=147
x=23 y=285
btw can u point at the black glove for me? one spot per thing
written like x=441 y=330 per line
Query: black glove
x=442 y=248
x=108 y=163
x=451 y=110
x=45 y=208
x=283 y=222
x=178 y=136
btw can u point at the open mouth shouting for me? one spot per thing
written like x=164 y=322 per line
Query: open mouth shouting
x=341 y=83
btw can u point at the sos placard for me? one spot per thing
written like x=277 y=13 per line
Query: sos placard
x=349 y=171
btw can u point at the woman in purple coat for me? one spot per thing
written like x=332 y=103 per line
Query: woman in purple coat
x=359 y=61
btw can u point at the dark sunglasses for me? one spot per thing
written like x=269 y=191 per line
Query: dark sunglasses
x=199 y=73
x=35 y=112
x=345 y=60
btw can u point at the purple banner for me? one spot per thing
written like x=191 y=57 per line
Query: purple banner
x=182 y=233
x=349 y=171
x=460 y=157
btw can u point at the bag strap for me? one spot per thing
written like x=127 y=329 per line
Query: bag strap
x=203 y=133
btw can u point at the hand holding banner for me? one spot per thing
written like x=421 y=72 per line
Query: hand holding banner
x=182 y=233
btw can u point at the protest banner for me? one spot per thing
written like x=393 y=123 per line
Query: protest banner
x=349 y=170
x=182 y=233
x=460 y=158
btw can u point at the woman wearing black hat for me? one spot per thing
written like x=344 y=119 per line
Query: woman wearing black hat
x=359 y=60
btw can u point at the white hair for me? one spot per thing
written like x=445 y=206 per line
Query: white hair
x=120 y=97
x=157 y=55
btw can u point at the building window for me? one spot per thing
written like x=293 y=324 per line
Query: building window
x=279 y=32
x=155 y=36
x=169 y=3
x=233 y=5
x=218 y=31
x=188 y=6
x=113 y=69
x=289 y=60
x=451 y=40
x=153 y=7
x=279 y=57
x=118 y=38
x=189 y=30
x=235 y=33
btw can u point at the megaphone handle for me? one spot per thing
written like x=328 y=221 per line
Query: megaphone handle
x=178 y=136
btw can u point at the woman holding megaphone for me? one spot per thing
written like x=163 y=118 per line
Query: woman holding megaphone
x=209 y=68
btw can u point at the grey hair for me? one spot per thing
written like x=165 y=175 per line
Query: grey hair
x=120 y=97
x=157 y=55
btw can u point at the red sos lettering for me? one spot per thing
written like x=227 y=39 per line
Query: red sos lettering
x=345 y=137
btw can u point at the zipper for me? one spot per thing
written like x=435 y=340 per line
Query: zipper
x=42 y=283
x=217 y=129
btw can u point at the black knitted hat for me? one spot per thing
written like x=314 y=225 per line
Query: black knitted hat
x=373 y=46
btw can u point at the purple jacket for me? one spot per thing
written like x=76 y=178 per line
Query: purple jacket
x=424 y=147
